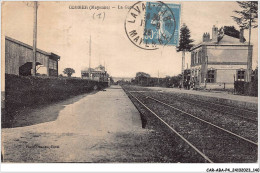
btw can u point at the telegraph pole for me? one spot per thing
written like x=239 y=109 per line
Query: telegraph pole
x=158 y=78
x=183 y=67
x=34 y=39
x=249 y=56
x=90 y=57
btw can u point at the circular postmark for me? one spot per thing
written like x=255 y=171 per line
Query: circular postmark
x=149 y=24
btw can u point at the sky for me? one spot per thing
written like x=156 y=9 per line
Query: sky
x=66 y=32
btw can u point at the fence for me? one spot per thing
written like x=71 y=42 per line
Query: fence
x=246 y=88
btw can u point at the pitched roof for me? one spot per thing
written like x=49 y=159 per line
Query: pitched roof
x=86 y=69
x=52 y=55
x=26 y=45
x=222 y=40
x=225 y=39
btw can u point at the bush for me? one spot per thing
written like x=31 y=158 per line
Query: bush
x=247 y=88
x=26 y=91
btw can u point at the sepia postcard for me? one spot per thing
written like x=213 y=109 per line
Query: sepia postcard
x=130 y=82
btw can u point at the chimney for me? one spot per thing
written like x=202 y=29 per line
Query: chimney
x=214 y=34
x=208 y=37
x=241 y=35
x=204 y=37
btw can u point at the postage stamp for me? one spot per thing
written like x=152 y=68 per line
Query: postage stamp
x=149 y=24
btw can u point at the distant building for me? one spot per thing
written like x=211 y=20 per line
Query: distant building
x=217 y=62
x=19 y=58
x=98 y=74
x=122 y=78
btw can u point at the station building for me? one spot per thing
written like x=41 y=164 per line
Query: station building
x=19 y=58
x=219 y=61
x=97 y=74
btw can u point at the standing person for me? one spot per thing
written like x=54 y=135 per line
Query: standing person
x=185 y=84
x=180 y=85
x=188 y=85
x=192 y=83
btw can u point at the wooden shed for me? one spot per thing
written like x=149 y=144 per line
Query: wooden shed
x=19 y=57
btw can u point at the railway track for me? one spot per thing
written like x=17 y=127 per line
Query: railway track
x=213 y=143
x=225 y=110
x=209 y=107
x=244 y=114
x=233 y=123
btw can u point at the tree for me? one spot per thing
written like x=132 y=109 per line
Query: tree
x=184 y=43
x=230 y=31
x=246 y=20
x=68 y=71
x=142 y=74
x=248 y=15
x=142 y=78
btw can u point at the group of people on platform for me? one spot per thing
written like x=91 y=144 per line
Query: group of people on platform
x=187 y=84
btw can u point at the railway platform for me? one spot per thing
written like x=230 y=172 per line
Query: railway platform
x=238 y=100
x=94 y=127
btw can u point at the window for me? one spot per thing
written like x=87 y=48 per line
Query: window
x=196 y=57
x=241 y=75
x=199 y=59
x=192 y=58
x=211 y=76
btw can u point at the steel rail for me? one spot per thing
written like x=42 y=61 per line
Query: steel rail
x=224 y=105
x=190 y=144
x=246 y=110
x=242 y=109
x=221 y=111
x=227 y=131
x=217 y=110
x=211 y=108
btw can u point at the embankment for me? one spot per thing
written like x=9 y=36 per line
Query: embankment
x=27 y=91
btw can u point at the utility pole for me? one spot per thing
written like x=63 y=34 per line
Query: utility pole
x=249 y=56
x=182 y=67
x=158 y=78
x=34 y=39
x=89 y=57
